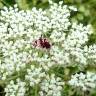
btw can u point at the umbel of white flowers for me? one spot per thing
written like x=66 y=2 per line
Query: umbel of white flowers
x=34 y=42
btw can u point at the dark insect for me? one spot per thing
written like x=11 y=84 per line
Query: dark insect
x=42 y=43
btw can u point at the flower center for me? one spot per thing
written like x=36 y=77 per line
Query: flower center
x=42 y=43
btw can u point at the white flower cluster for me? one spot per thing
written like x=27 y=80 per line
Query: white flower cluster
x=90 y=54
x=75 y=41
x=19 y=29
x=59 y=16
x=51 y=86
x=85 y=81
x=34 y=75
x=17 y=89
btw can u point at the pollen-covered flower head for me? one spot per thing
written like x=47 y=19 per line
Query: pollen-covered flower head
x=22 y=48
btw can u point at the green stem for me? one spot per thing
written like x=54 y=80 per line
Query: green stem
x=36 y=90
x=34 y=2
x=4 y=3
x=6 y=81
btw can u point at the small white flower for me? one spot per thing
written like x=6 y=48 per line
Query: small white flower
x=51 y=86
x=85 y=81
x=13 y=89
x=34 y=75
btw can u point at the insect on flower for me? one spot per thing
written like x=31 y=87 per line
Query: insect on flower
x=42 y=43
